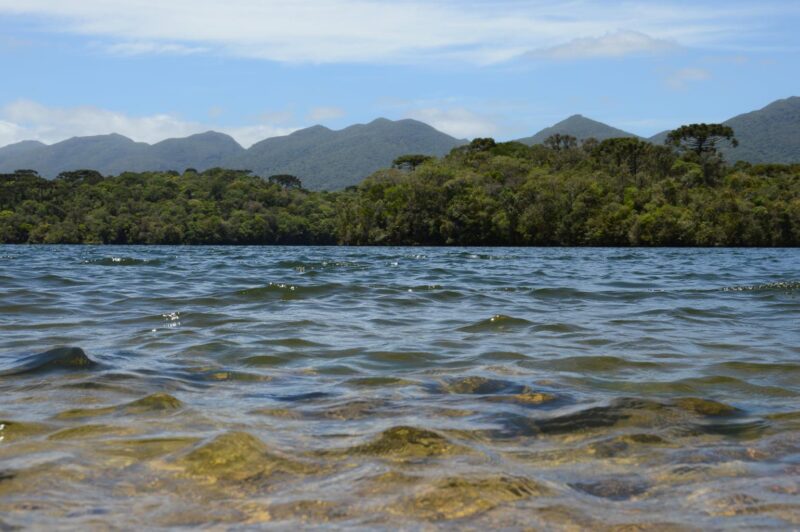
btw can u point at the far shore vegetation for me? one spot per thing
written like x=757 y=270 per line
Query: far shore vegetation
x=618 y=192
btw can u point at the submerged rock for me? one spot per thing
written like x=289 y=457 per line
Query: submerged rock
x=236 y=457
x=527 y=398
x=146 y=448
x=408 y=442
x=16 y=430
x=619 y=445
x=706 y=407
x=158 y=402
x=89 y=431
x=60 y=358
x=617 y=489
x=154 y=403
x=480 y=386
x=496 y=390
x=457 y=498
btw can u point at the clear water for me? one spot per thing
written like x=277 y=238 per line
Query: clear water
x=386 y=387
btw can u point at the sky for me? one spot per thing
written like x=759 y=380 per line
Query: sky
x=156 y=69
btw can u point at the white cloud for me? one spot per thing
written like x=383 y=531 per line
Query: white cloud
x=616 y=44
x=456 y=121
x=10 y=133
x=680 y=79
x=153 y=48
x=28 y=120
x=329 y=31
x=321 y=114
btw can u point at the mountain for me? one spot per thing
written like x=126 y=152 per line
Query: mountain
x=579 y=127
x=320 y=157
x=769 y=135
x=201 y=151
x=21 y=149
x=113 y=154
x=327 y=159
x=106 y=153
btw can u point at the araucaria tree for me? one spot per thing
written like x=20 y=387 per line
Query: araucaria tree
x=701 y=139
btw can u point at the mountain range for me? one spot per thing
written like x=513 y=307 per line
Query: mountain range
x=328 y=159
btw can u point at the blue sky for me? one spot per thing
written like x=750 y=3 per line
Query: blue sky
x=504 y=68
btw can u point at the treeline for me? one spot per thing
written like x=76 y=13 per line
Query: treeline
x=618 y=192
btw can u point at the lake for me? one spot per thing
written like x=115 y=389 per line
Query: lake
x=399 y=387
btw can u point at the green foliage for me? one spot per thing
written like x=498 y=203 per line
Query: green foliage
x=559 y=142
x=701 y=139
x=286 y=181
x=617 y=192
x=217 y=206
x=410 y=162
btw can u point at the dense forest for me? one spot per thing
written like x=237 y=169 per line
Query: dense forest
x=618 y=192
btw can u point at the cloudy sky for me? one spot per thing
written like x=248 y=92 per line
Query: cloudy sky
x=153 y=69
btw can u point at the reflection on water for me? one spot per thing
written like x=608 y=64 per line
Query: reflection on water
x=545 y=388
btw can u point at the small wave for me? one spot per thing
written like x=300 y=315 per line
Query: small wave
x=750 y=368
x=781 y=286
x=123 y=261
x=563 y=292
x=590 y=364
x=60 y=358
x=308 y=266
x=497 y=323
x=288 y=292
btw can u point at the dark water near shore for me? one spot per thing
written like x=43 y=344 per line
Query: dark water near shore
x=357 y=387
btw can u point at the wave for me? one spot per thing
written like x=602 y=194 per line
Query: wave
x=497 y=323
x=124 y=261
x=58 y=359
x=779 y=286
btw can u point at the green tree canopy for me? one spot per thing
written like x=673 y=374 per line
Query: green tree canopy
x=286 y=181
x=410 y=161
x=701 y=138
x=559 y=142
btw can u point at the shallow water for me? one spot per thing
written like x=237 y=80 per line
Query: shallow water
x=386 y=387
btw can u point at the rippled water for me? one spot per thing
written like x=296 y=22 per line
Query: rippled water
x=362 y=387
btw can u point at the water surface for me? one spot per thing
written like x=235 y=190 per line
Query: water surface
x=386 y=387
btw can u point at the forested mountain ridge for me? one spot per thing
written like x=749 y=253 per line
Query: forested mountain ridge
x=114 y=154
x=330 y=160
x=326 y=159
x=321 y=157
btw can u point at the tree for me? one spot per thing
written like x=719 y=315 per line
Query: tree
x=410 y=161
x=559 y=142
x=481 y=144
x=85 y=176
x=286 y=181
x=702 y=139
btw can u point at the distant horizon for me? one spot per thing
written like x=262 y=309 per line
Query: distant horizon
x=247 y=146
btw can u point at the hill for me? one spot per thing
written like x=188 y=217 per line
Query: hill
x=579 y=127
x=327 y=159
x=113 y=154
x=769 y=135
x=321 y=157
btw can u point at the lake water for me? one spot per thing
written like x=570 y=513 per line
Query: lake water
x=399 y=387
